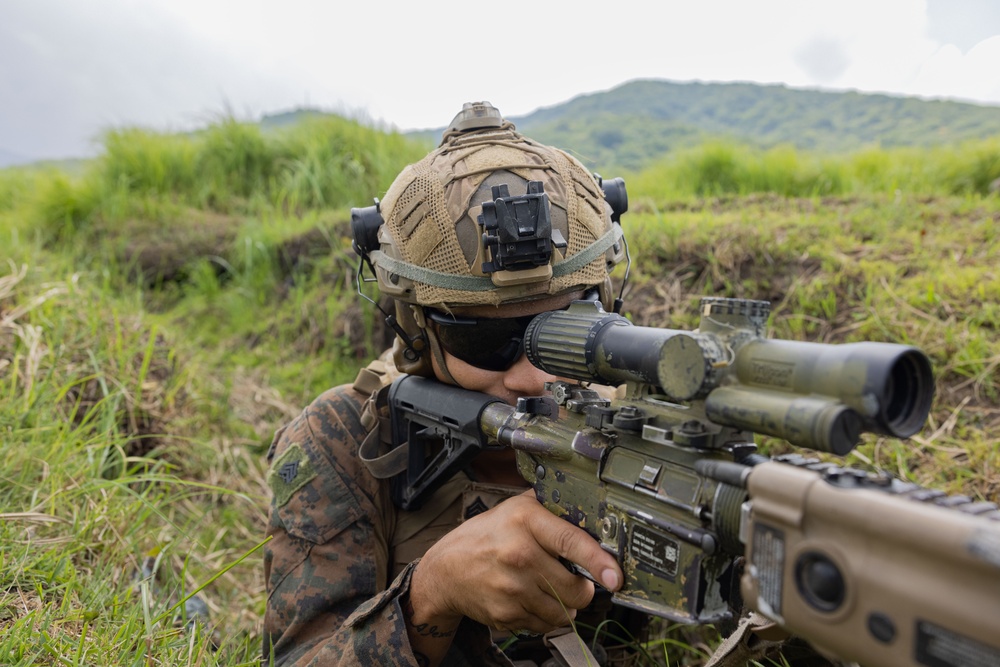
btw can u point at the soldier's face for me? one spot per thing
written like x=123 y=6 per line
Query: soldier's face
x=521 y=378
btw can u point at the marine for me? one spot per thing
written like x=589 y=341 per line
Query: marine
x=471 y=242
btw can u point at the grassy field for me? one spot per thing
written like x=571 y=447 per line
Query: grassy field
x=162 y=313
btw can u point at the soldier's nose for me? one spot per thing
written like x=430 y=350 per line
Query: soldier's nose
x=524 y=379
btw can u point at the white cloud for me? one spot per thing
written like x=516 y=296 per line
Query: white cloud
x=949 y=72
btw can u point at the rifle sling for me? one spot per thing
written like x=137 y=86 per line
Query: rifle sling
x=374 y=380
x=566 y=644
x=386 y=465
x=753 y=638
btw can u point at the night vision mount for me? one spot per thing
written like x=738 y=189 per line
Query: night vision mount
x=518 y=234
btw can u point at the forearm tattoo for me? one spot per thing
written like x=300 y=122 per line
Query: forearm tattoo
x=423 y=629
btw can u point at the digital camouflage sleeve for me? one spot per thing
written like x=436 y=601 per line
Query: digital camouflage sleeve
x=327 y=564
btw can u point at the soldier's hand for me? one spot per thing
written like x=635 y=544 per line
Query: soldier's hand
x=502 y=569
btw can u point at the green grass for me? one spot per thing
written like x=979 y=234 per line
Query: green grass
x=719 y=168
x=96 y=475
x=165 y=310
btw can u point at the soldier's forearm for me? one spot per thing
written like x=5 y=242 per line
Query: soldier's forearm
x=430 y=635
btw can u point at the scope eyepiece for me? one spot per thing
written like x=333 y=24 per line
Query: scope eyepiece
x=562 y=342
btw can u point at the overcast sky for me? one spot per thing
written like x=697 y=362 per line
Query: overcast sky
x=71 y=68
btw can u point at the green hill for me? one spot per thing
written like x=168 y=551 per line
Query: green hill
x=634 y=124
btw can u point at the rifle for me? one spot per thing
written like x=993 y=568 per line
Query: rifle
x=666 y=476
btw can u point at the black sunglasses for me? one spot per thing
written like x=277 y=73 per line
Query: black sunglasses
x=490 y=343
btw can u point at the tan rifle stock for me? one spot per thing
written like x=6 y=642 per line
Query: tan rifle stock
x=874 y=574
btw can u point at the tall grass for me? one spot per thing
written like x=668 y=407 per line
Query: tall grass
x=99 y=470
x=727 y=168
x=15 y=187
x=329 y=163
x=148 y=162
x=229 y=167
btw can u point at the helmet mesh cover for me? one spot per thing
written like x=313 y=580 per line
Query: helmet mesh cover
x=430 y=208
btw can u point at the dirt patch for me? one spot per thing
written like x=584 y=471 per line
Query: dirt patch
x=766 y=201
x=16 y=604
x=135 y=389
x=729 y=269
x=159 y=251
x=358 y=331
x=359 y=326
x=304 y=251
x=163 y=252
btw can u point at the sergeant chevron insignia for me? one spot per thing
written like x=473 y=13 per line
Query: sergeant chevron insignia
x=475 y=508
x=289 y=473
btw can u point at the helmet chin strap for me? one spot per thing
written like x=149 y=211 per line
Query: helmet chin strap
x=442 y=364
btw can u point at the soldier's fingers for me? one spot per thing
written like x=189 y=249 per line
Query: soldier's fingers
x=541 y=616
x=563 y=539
x=567 y=588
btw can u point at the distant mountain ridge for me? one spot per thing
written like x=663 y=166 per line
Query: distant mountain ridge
x=640 y=121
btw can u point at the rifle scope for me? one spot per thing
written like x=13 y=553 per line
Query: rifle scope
x=812 y=394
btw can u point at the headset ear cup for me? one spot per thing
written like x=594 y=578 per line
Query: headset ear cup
x=412 y=359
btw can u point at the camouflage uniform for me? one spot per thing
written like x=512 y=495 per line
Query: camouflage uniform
x=334 y=582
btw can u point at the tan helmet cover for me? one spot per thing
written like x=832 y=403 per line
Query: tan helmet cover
x=431 y=248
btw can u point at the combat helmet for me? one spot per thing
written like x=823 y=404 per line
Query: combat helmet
x=489 y=217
